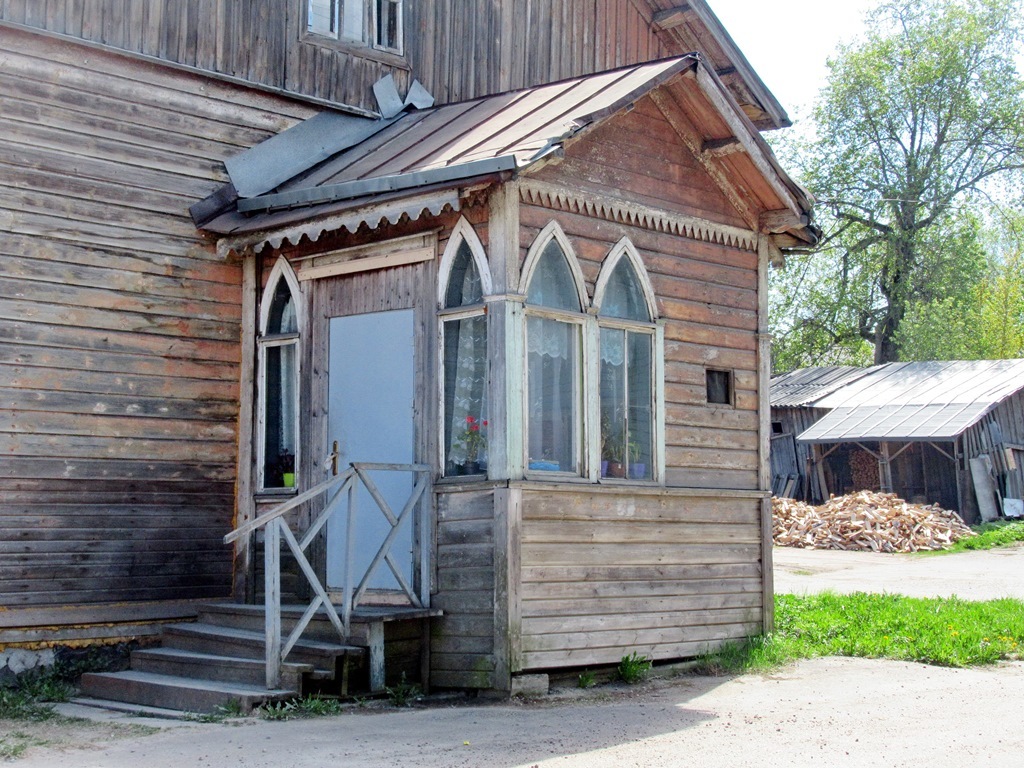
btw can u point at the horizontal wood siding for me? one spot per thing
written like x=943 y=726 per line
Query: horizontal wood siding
x=606 y=574
x=119 y=360
x=459 y=50
x=706 y=291
x=463 y=640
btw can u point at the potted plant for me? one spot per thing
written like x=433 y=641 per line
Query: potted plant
x=286 y=468
x=613 y=452
x=472 y=438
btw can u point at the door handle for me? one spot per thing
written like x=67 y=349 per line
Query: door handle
x=332 y=458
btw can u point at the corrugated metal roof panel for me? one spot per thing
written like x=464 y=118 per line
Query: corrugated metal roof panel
x=805 y=386
x=901 y=402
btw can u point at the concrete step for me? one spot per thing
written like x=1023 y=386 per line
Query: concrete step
x=178 y=662
x=248 y=644
x=181 y=693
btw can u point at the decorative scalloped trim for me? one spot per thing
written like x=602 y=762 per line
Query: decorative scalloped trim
x=621 y=212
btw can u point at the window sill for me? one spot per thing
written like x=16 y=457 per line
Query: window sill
x=269 y=494
x=361 y=50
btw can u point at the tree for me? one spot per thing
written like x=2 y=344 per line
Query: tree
x=917 y=125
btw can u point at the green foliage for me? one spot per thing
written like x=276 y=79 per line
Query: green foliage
x=633 y=668
x=918 y=123
x=403 y=694
x=991 y=535
x=309 y=706
x=586 y=679
x=14 y=744
x=28 y=698
x=942 y=631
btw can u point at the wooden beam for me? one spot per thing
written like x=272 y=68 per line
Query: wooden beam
x=782 y=220
x=672 y=17
x=722 y=147
x=685 y=129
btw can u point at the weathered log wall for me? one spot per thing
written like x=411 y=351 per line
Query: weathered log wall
x=119 y=362
x=459 y=50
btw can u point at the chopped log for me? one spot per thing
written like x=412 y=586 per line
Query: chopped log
x=866 y=521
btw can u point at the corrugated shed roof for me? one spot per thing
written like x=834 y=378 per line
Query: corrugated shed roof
x=916 y=401
x=805 y=386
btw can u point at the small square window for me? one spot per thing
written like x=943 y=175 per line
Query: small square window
x=777 y=428
x=719 y=386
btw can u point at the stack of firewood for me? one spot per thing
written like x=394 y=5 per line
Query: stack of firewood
x=866 y=521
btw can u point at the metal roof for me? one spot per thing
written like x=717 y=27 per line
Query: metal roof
x=915 y=401
x=805 y=386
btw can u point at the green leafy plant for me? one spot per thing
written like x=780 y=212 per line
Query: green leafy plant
x=403 y=694
x=991 y=535
x=634 y=668
x=318 y=706
x=586 y=679
x=277 y=710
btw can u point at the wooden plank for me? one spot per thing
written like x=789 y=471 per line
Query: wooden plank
x=570 y=533
x=108 y=613
x=704 y=627
x=596 y=592
x=534 y=554
x=565 y=613
x=582 y=657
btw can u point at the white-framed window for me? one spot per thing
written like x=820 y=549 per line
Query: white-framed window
x=464 y=281
x=278 y=383
x=378 y=23
x=629 y=352
x=555 y=297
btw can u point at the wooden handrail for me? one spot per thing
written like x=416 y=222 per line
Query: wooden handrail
x=283 y=509
x=277 y=647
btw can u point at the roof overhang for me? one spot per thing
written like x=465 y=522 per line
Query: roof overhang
x=895 y=423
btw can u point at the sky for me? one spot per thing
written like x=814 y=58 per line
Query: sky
x=788 y=41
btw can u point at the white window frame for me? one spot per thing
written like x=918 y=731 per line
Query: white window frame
x=463 y=232
x=282 y=270
x=624 y=249
x=583 y=322
x=369 y=11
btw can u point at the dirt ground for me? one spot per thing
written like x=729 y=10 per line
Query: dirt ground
x=825 y=712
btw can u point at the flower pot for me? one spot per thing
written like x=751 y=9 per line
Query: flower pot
x=638 y=471
x=604 y=467
x=471 y=468
x=616 y=469
x=288 y=479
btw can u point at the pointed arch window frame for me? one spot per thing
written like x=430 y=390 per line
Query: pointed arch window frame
x=265 y=341
x=462 y=233
x=653 y=327
x=581 y=320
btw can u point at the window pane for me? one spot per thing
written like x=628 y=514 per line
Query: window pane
x=352 y=19
x=279 y=439
x=640 y=366
x=387 y=24
x=465 y=395
x=719 y=384
x=613 y=403
x=553 y=379
x=623 y=297
x=464 y=286
x=320 y=17
x=552 y=283
x=282 y=317
x=627 y=430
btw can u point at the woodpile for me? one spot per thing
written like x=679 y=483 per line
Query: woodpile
x=865 y=521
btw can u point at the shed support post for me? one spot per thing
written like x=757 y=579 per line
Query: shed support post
x=766 y=252
x=884 y=469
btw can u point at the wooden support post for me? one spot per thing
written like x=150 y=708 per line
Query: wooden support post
x=244 y=588
x=885 y=469
x=376 y=643
x=272 y=607
x=764 y=478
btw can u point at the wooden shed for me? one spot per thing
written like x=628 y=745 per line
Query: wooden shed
x=950 y=433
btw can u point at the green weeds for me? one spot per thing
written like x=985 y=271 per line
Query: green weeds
x=404 y=694
x=943 y=631
x=990 y=536
x=633 y=668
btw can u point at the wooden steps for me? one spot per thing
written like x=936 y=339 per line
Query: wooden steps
x=218 y=661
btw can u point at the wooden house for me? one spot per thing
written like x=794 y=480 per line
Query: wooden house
x=950 y=433
x=500 y=361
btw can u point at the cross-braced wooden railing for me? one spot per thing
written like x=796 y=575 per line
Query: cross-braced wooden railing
x=345 y=487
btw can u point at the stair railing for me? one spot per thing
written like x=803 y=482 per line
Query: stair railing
x=345 y=487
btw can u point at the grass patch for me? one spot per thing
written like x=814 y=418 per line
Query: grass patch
x=310 y=706
x=946 y=632
x=633 y=668
x=1002 y=533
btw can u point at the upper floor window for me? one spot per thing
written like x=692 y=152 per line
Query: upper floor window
x=554 y=381
x=373 y=22
x=627 y=385
x=464 y=282
x=278 y=445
